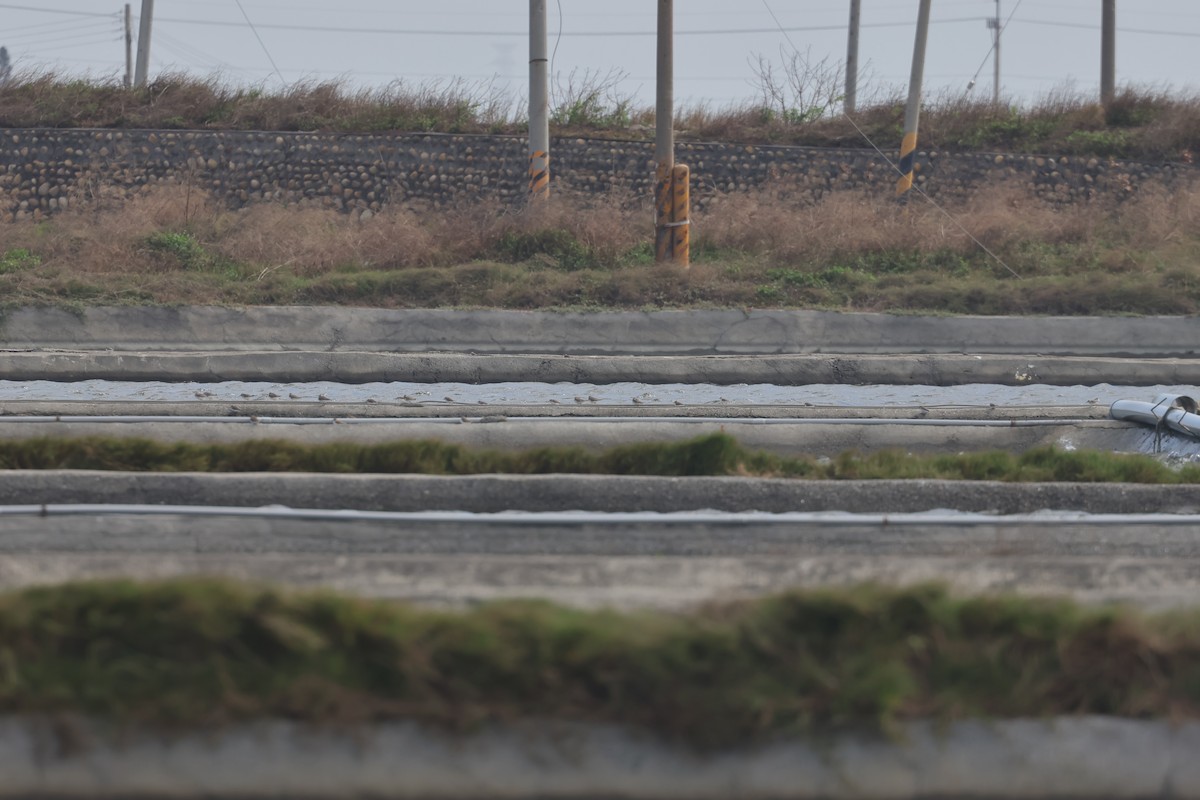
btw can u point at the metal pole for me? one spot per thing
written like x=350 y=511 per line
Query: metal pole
x=143 y=45
x=996 y=59
x=1108 y=52
x=912 y=112
x=852 y=56
x=128 y=46
x=539 y=103
x=664 y=131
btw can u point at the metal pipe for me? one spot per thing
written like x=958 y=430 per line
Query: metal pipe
x=1174 y=411
x=912 y=112
x=539 y=102
x=593 y=518
x=145 y=23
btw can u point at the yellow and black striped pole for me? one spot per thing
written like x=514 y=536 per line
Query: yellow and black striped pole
x=664 y=205
x=680 y=216
x=539 y=174
x=912 y=112
x=907 y=164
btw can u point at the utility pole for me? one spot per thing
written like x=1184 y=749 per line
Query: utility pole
x=912 y=112
x=145 y=22
x=539 y=103
x=852 y=57
x=994 y=24
x=1108 y=52
x=672 y=238
x=128 y=46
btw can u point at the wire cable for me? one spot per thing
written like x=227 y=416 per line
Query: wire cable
x=523 y=34
x=898 y=171
x=953 y=220
x=54 y=37
x=558 y=40
x=261 y=43
x=59 y=11
x=992 y=49
x=1086 y=27
x=57 y=22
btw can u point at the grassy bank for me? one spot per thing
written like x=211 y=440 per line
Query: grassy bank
x=198 y=653
x=767 y=250
x=1138 y=123
x=714 y=455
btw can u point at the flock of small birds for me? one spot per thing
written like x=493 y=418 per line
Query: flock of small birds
x=637 y=400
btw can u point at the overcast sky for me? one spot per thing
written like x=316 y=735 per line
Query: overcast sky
x=1048 y=44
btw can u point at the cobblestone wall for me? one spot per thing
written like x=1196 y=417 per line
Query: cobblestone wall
x=45 y=170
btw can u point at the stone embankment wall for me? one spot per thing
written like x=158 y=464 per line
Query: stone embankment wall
x=47 y=170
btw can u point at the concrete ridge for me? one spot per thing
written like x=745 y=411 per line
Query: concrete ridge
x=1085 y=757
x=600 y=493
x=694 y=332
x=357 y=366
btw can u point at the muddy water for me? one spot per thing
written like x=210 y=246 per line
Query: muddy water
x=567 y=393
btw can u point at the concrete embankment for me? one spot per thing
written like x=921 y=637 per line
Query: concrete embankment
x=724 y=347
x=1089 y=757
x=759 y=332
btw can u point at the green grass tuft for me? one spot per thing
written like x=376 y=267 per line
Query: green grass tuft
x=202 y=652
x=712 y=454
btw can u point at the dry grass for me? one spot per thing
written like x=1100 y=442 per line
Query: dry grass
x=172 y=244
x=176 y=100
x=1138 y=123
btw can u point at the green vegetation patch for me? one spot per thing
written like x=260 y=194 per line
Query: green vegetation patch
x=181 y=249
x=713 y=454
x=18 y=258
x=203 y=653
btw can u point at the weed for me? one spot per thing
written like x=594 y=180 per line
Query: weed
x=559 y=247
x=1102 y=143
x=201 y=653
x=715 y=454
x=17 y=259
x=183 y=249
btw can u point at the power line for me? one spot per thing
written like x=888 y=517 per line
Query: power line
x=58 y=11
x=70 y=30
x=54 y=23
x=194 y=54
x=92 y=37
x=1086 y=27
x=522 y=34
